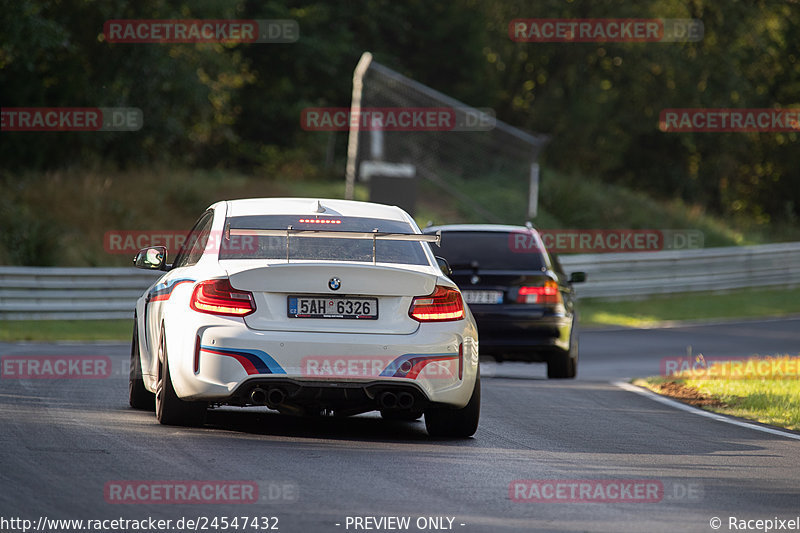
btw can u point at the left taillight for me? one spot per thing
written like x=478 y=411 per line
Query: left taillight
x=218 y=297
x=444 y=304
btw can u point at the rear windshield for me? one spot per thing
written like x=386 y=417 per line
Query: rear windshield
x=492 y=250
x=310 y=248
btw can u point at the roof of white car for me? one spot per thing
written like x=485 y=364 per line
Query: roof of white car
x=475 y=227
x=314 y=206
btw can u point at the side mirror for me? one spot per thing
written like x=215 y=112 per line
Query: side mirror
x=444 y=266
x=577 y=277
x=153 y=258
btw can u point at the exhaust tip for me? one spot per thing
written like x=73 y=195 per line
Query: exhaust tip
x=405 y=400
x=387 y=400
x=258 y=396
x=275 y=397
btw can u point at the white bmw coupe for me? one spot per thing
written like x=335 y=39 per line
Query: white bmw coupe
x=307 y=307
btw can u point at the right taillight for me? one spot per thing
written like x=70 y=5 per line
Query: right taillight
x=218 y=297
x=540 y=294
x=444 y=304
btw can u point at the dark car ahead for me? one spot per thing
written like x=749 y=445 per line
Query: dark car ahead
x=520 y=296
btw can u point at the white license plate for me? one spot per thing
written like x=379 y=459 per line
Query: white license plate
x=332 y=307
x=483 y=297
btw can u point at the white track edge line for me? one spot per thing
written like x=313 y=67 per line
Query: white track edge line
x=689 y=409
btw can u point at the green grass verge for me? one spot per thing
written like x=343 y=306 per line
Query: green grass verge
x=576 y=201
x=66 y=330
x=765 y=400
x=41 y=229
x=658 y=310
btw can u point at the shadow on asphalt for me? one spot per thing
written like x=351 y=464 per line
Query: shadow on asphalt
x=358 y=428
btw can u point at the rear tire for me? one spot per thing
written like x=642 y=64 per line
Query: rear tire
x=408 y=416
x=565 y=364
x=456 y=423
x=561 y=367
x=138 y=396
x=171 y=410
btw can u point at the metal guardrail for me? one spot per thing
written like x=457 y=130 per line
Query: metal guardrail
x=105 y=293
x=41 y=293
x=630 y=275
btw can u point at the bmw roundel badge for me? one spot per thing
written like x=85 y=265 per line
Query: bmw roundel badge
x=334 y=284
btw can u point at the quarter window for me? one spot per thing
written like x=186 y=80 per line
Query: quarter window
x=195 y=244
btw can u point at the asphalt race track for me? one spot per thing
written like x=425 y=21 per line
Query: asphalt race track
x=65 y=443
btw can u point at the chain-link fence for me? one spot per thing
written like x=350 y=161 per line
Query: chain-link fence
x=488 y=166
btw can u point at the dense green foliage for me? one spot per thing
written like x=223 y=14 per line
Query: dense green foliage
x=238 y=105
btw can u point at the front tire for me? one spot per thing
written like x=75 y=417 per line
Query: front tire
x=138 y=396
x=456 y=423
x=171 y=410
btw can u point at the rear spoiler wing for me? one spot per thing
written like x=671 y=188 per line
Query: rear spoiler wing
x=373 y=236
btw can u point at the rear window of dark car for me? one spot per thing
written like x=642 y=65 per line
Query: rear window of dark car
x=311 y=248
x=492 y=250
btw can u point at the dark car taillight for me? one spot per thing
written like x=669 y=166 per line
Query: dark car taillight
x=540 y=294
x=444 y=304
x=218 y=297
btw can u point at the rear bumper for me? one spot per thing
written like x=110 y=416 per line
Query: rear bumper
x=436 y=364
x=522 y=334
x=296 y=394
